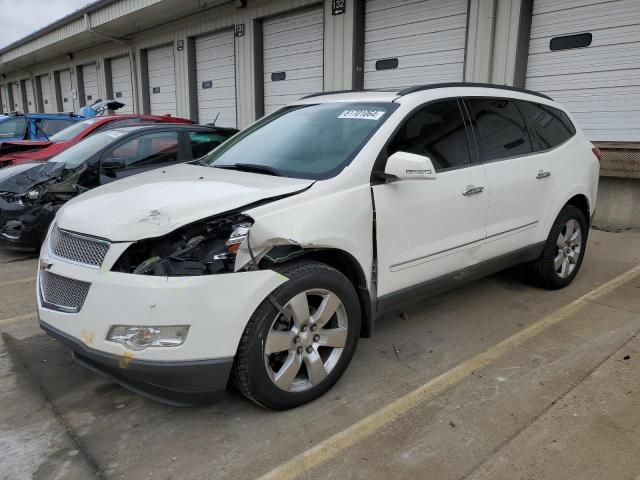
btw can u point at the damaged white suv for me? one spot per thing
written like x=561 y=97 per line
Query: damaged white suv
x=262 y=263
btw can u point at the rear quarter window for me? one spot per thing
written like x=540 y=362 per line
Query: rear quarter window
x=549 y=126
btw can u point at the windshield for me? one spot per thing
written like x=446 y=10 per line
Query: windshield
x=80 y=152
x=303 y=141
x=71 y=131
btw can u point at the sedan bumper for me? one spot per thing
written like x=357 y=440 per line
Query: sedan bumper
x=24 y=227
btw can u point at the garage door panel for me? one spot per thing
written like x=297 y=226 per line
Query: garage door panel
x=31 y=104
x=293 y=62
x=45 y=91
x=90 y=83
x=600 y=83
x=216 y=79
x=162 y=80
x=122 y=83
x=65 y=91
x=392 y=79
x=603 y=15
x=426 y=37
x=411 y=16
x=293 y=48
x=420 y=44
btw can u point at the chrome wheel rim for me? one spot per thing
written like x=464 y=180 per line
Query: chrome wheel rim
x=304 y=346
x=568 y=248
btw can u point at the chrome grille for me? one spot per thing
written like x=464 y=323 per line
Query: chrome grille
x=62 y=293
x=78 y=248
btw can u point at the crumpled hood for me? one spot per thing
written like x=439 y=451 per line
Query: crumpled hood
x=20 y=179
x=155 y=203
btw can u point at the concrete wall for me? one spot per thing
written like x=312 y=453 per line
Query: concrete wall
x=618 y=203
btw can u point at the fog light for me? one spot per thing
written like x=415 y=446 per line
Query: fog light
x=141 y=337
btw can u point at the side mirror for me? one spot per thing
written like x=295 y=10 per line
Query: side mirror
x=113 y=163
x=409 y=166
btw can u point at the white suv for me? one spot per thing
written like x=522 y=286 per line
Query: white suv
x=264 y=262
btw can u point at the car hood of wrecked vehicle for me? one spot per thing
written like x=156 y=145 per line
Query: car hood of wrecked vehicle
x=157 y=202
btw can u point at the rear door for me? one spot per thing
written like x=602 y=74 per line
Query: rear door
x=429 y=228
x=144 y=152
x=519 y=185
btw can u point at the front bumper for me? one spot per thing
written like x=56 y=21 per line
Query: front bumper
x=183 y=383
x=216 y=308
x=24 y=227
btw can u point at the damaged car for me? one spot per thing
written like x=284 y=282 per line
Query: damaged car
x=32 y=193
x=263 y=263
x=15 y=153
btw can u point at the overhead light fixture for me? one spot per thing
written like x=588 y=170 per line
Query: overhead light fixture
x=241 y=3
x=69 y=56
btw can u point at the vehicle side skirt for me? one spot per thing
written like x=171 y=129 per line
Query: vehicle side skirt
x=395 y=301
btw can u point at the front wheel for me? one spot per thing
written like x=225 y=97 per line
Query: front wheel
x=563 y=251
x=300 y=340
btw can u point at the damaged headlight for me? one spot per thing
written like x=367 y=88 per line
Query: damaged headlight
x=206 y=247
x=141 y=337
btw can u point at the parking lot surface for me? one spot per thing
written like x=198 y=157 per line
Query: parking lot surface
x=495 y=380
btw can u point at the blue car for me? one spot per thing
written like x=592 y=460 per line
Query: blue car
x=34 y=126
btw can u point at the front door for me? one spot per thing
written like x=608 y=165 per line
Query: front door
x=429 y=228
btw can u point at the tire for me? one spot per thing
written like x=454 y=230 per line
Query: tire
x=278 y=342
x=557 y=267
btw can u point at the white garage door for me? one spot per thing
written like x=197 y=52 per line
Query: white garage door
x=31 y=103
x=414 y=43
x=4 y=98
x=216 y=79
x=17 y=97
x=90 y=83
x=293 y=57
x=66 y=91
x=588 y=57
x=162 y=80
x=121 y=83
x=47 y=97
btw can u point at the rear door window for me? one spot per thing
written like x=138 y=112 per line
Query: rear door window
x=148 y=150
x=549 y=126
x=436 y=131
x=14 y=127
x=502 y=130
x=203 y=142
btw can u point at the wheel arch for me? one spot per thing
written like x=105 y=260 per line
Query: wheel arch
x=581 y=202
x=346 y=264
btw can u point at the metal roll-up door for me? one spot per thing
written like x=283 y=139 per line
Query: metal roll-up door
x=293 y=57
x=31 y=102
x=588 y=57
x=4 y=98
x=90 y=83
x=162 y=80
x=414 y=43
x=121 y=83
x=216 y=79
x=47 y=97
x=66 y=91
x=17 y=97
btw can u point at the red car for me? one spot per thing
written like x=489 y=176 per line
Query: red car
x=17 y=152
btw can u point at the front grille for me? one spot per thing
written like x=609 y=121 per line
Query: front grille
x=62 y=293
x=78 y=248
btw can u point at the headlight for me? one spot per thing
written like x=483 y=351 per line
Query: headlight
x=33 y=195
x=202 y=248
x=141 y=337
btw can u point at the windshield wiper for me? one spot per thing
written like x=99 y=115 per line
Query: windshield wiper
x=250 y=167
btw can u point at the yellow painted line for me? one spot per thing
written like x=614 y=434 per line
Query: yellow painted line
x=17 y=282
x=20 y=318
x=338 y=443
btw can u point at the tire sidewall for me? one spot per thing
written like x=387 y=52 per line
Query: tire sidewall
x=264 y=390
x=568 y=213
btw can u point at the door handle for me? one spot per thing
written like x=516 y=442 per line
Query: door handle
x=542 y=174
x=472 y=190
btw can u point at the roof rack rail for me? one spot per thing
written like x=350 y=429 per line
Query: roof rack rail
x=322 y=94
x=431 y=86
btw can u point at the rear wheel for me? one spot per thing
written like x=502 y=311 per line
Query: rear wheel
x=563 y=251
x=299 y=341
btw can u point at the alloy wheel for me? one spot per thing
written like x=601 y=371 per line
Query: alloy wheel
x=568 y=248
x=305 y=344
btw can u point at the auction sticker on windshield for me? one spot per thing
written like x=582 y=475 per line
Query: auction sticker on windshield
x=362 y=114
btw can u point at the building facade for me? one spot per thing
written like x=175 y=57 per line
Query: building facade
x=234 y=61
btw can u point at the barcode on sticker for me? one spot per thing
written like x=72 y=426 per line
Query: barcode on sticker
x=362 y=114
